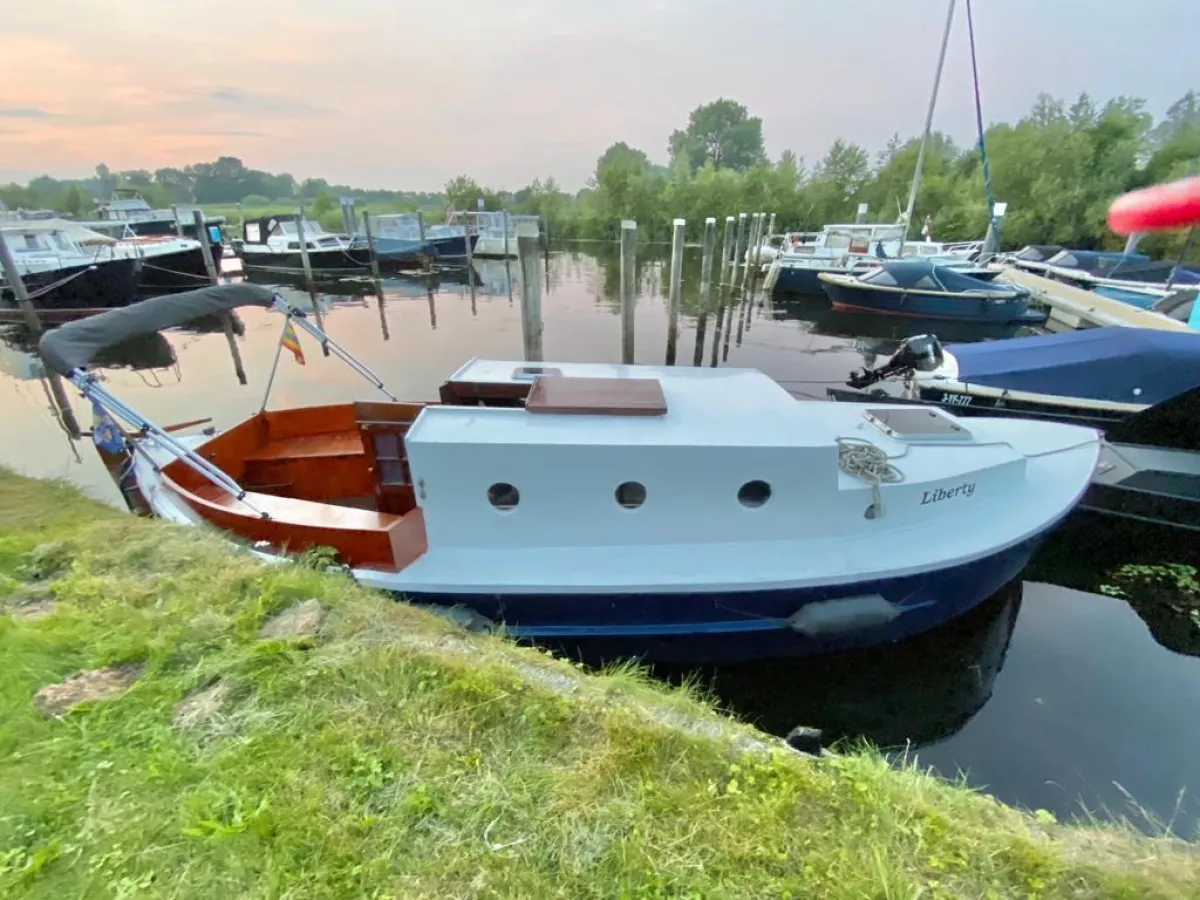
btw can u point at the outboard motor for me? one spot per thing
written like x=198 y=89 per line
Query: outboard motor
x=922 y=353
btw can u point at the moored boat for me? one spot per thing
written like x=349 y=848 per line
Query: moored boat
x=923 y=289
x=559 y=500
x=1096 y=377
x=60 y=274
x=272 y=244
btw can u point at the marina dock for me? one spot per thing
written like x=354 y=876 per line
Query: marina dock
x=1072 y=307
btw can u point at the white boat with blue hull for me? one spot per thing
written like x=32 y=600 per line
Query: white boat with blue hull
x=663 y=513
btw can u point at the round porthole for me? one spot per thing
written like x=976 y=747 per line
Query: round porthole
x=754 y=494
x=503 y=496
x=631 y=494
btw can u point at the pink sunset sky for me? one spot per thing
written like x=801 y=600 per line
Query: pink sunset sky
x=406 y=95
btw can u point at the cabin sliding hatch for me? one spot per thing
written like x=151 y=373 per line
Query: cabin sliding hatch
x=597 y=396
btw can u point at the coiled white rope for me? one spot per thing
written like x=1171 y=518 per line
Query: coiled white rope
x=867 y=462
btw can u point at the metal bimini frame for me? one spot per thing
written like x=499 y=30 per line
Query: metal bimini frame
x=144 y=428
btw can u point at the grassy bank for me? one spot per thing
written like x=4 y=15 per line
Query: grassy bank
x=388 y=755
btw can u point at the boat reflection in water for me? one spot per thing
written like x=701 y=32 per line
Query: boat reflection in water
x=907 y=694
x=18 y=356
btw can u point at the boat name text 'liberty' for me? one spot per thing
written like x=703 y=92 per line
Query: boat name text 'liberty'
x=937 y=496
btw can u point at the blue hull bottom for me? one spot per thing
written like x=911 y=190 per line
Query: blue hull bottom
x=452 y=247
x=746 y=625
x=803 y=281
x=916 y=304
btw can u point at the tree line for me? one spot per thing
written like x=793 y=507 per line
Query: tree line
x=1058 y=168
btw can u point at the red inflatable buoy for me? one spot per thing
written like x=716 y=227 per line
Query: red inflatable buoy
x=1170 y=205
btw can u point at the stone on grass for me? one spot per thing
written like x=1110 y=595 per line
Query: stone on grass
x=97 y=684
x=300 y=620
x=201 y=706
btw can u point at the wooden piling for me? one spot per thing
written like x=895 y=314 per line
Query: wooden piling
x=308 y=273
x=371 y=244
x=178 y=224
x=15 y=284
x=710 y=242
x=726 y=249
x=210 y=267
x=531 y=290
x=770 y=227
x=303 y=243
x=755 y=225
x=737 y=245
x=241 y=221
x=467 y=241
x=628 y=287
x=674 y=289
x=505 y=220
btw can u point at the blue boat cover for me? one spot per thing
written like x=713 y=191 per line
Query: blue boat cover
x=1125 y=365
x=926 y=275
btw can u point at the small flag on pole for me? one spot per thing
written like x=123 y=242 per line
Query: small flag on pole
x=292 y=342
x=105 y=433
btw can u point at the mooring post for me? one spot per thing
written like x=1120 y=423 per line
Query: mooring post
x=531 y=289
x=628 y=287
x=738 y=243
x=15 y=284
x=349 y=217
x=710 y=243
x=179 y=224
x=241 y=221
x=303 y=244
x=504 y=218
x=726 y=249
x=675 y=288
x=546 y=242
x=467 y=240
x=210 y=267
x=770 y=227
x=371 y=244
x=308 y=273
x=749 y=262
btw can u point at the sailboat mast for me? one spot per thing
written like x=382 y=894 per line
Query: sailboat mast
x=937 y=81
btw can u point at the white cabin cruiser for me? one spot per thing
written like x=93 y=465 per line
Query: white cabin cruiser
x=657 y=512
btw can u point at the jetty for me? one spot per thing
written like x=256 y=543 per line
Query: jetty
x=1073 y=307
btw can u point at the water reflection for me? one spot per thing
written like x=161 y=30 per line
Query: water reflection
x=910 y=694
x=1046 y=694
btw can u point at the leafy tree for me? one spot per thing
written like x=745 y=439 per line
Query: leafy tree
x=73 y=202
x=322 y=204
x=723 y=133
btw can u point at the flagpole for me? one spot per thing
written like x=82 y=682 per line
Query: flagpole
x=287 y=320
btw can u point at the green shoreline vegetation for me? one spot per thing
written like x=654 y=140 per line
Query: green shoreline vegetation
x=386 y=754
x=1058 y=168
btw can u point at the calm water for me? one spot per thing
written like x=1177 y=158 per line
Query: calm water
x=1048 y=696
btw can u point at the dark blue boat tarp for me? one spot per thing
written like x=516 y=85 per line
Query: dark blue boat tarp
x=1126 y=365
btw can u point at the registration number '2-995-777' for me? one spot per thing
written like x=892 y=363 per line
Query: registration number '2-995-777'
x=956 y=399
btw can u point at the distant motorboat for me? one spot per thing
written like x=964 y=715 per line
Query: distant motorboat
x=922 y=289
x=60 y=273
x=272 y=244
x=399 y=243
x=497 y=233
x=127 y=214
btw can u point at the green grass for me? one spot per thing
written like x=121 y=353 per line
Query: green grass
x=392 y=756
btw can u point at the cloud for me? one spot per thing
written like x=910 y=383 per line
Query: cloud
x=23 y=112
x=262 y=103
